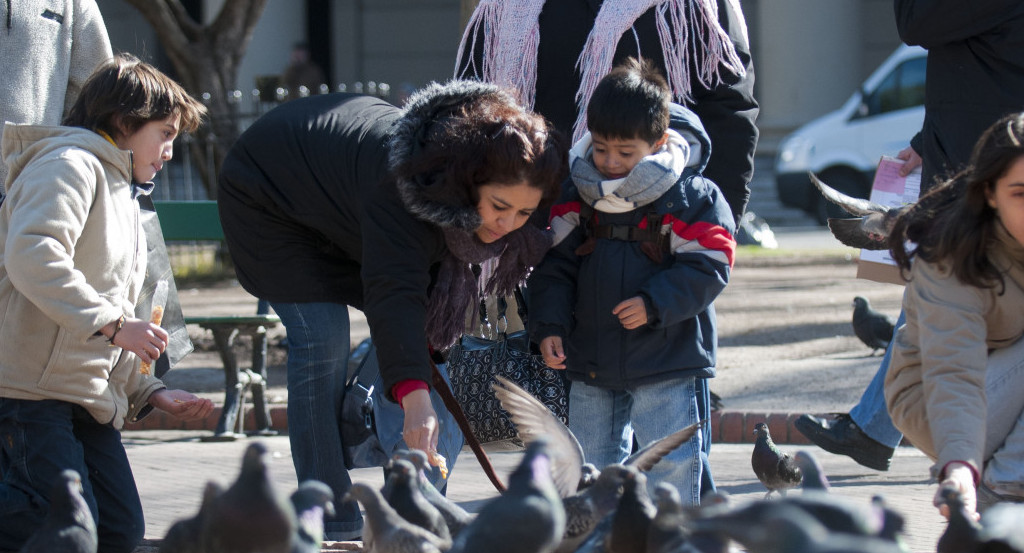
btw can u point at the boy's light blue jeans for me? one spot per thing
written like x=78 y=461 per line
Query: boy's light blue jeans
x=604 y=422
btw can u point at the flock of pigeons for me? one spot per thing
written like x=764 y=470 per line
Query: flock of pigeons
x=554 y=502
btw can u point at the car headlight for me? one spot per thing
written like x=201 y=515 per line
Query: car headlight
x=794 y=154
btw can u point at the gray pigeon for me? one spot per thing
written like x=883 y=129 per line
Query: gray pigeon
x=402 y=492
x=184 y=535
x=69 y=526
x=775 y=469
x=250 y=516
x=632 y=517
x=962 y=533
x=587 y=508
x=528 y=516
x=533 y=420
x=812 y=475
x=871 y=225
x=454 y=515
x=873 y=328
x=1001 y=529
x=312 y=500
x=667 y=532
x=389 y=532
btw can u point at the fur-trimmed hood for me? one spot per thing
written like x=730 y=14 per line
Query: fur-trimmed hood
x=434 y=200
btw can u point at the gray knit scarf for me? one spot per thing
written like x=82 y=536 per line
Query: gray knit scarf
x=456 y=287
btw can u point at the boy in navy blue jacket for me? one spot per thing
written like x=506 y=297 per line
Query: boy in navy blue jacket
x=623 y=301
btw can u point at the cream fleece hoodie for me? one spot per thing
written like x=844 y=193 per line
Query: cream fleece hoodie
x=72 y=259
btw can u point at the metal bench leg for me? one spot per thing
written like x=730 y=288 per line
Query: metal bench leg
x=261 y=410
x=234 y=389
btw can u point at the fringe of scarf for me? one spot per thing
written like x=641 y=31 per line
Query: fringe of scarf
x=688 y=30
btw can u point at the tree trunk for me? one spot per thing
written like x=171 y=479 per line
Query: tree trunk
x=206 y=59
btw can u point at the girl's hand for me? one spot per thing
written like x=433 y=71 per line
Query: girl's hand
x=960 y=477
x=181 y=404
x=632 y=313
x=419 y=429
x=551 y=350
x=143 y=338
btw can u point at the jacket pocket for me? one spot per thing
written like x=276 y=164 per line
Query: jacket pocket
x=75 y=367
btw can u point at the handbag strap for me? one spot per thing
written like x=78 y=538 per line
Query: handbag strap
x=460 y=418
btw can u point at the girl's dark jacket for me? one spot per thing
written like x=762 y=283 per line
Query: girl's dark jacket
x=572 y=296
x=312 y=214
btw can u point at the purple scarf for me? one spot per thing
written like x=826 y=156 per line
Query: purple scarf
x=457 y=288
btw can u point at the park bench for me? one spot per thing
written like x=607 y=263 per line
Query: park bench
x=200 y=221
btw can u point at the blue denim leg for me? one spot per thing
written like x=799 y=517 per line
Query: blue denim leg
x=599 y=419
x=870 y=413
x=707 y=482
x=318 y=350
x=1004 y=424
x=660 y=409
x=38 y=440
x=604 y=420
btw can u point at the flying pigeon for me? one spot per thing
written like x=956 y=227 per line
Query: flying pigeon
x=389 y=532
x=312 y=500
x=402 y=492
x=69 y=526
x=184 y=535
x=587 y=508
x=873 y=328
x=776 y=470
x=872 y=222
x=533 y=420
x=250 y=515
x=528 y=516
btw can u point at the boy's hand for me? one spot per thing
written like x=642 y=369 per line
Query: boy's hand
x=551 y=350
x=632 y=313
x=181 y=404
x=143 y=338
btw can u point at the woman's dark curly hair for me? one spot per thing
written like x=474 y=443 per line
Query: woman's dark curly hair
x=490 y=140
x=953 y=223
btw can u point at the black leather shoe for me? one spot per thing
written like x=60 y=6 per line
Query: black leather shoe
x=842 y=436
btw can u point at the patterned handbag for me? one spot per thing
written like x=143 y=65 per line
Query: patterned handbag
x=474 y=361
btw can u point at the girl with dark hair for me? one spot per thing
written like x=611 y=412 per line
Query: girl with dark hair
x=345 y=200
x=957 y=376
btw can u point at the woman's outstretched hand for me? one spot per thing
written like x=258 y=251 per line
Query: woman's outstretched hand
x=420 y=427
x=181 y=404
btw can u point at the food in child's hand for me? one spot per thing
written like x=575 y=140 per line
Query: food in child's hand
x=440 y=462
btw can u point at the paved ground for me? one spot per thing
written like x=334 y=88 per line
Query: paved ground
x=786 y=348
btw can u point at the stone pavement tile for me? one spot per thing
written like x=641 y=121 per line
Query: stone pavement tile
x=172 y=467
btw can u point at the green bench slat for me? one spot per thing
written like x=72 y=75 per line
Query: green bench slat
x=234 y=320
x=191 y=220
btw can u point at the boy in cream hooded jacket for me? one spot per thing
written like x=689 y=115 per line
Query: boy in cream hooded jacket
x=72 y=262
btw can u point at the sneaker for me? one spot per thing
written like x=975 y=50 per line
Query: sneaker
x=842 y=436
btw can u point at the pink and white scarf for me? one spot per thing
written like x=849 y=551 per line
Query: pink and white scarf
x=686 y=29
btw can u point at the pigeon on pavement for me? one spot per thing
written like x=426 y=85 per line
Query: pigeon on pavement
x=632 y=517
x=870 y=227
x=963 y=533
x=812 y=475
x=873 y=328
x=776 y=470
x=69 y=526
x=389 y=532
x=454 y=515
x=528 y=516
x=184 y=536
x=312 y=500
x=404 y=495
x=533 y=420
x=250 y=515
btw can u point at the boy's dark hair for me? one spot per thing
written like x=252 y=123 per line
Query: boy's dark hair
x=124 y=93
x=630 y=102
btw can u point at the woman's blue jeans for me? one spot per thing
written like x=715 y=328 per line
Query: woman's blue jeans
x=39 y=440
x=318 y=350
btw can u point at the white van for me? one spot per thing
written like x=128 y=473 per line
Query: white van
x=843 y=147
